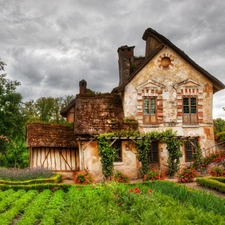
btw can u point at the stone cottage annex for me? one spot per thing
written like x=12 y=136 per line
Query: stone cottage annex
x=165 y=89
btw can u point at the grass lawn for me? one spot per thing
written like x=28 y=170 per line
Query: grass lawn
x=159 y=202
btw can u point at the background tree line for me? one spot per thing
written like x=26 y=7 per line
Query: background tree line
x=14 y=114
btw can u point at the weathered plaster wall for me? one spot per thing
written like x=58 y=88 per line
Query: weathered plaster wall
x=70 y=116
x=90 y=159
x=166 y=83
x=129 y=165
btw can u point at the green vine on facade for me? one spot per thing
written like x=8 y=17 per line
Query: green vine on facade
x=107 y=152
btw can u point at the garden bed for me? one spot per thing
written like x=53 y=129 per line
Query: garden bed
x=158 y=202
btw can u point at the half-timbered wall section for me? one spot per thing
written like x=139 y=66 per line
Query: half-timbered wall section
x=52 y=146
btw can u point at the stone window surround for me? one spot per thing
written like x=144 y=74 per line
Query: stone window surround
x=184 y=89
x=150 y=88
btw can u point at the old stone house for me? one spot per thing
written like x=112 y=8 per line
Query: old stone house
x=165 y=89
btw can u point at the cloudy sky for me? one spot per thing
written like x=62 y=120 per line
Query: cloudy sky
x=50 y=45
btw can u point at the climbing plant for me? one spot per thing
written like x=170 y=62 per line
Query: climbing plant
x=173 y=147
x=107 y=152
x=197 y=158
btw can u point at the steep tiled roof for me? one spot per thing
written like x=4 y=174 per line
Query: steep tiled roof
x=50 y=135
x=98 y=114
x=217 y=85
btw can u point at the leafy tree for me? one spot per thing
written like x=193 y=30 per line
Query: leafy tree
x=12 y=120
x=219 y=125
x=46 y=109
x=11 y=117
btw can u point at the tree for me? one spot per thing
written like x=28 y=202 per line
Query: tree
x=46 y=109
x=11 y=117
x=219 y=125
x=12 y=120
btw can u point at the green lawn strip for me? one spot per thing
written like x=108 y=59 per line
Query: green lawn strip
x=35 y=210
x=206 y=201
x=3 y=194
x=17 y=207
x=7 y=201
x=215 y=183
x=115 y=204
x=54 y=208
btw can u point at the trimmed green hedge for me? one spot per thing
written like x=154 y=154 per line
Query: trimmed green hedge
x=56 y=178
x=39 y=187
x=216 y=183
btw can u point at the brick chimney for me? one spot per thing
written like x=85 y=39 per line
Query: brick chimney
x=83 y=87
x=126 y=60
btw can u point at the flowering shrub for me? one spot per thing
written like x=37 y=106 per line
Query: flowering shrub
x=217 y=171
x=154 y=175
x=187 y=175
x=121 y=178
x=83 y=178
x=213 y=158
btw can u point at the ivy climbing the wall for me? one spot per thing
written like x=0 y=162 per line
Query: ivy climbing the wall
x=173 y=147
x=107 y=152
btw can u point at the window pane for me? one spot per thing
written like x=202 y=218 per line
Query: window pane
x=117 y=145
x=193 y=105
x=188 y=152
x=193 y=109
x=186 y=109
x=185 y=101
x=153 y=154
x=146 y=106
x=153 y=106
x=186 y=105
x=193 y=101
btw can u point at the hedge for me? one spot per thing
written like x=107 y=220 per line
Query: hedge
x=213 y=183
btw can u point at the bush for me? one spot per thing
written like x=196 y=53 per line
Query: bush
x=83 y=177
x=214 y=157
x=153 y=175
x=121 y=178
x=187 y=175
x=24 y=174
x=211 y=183
x=55 y=178
x=217 y=171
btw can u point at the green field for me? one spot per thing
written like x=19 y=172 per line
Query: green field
x=159 y=202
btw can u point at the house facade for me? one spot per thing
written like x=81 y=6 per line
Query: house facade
x=165 y=89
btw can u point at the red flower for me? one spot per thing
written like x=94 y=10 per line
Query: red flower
x=137 y=190
x=150 y=191
x=131 y=190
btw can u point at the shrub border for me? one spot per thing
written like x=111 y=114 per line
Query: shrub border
x=217 y=183
x=55 y=178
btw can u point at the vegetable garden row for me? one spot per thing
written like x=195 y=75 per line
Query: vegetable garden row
x=158 y=202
